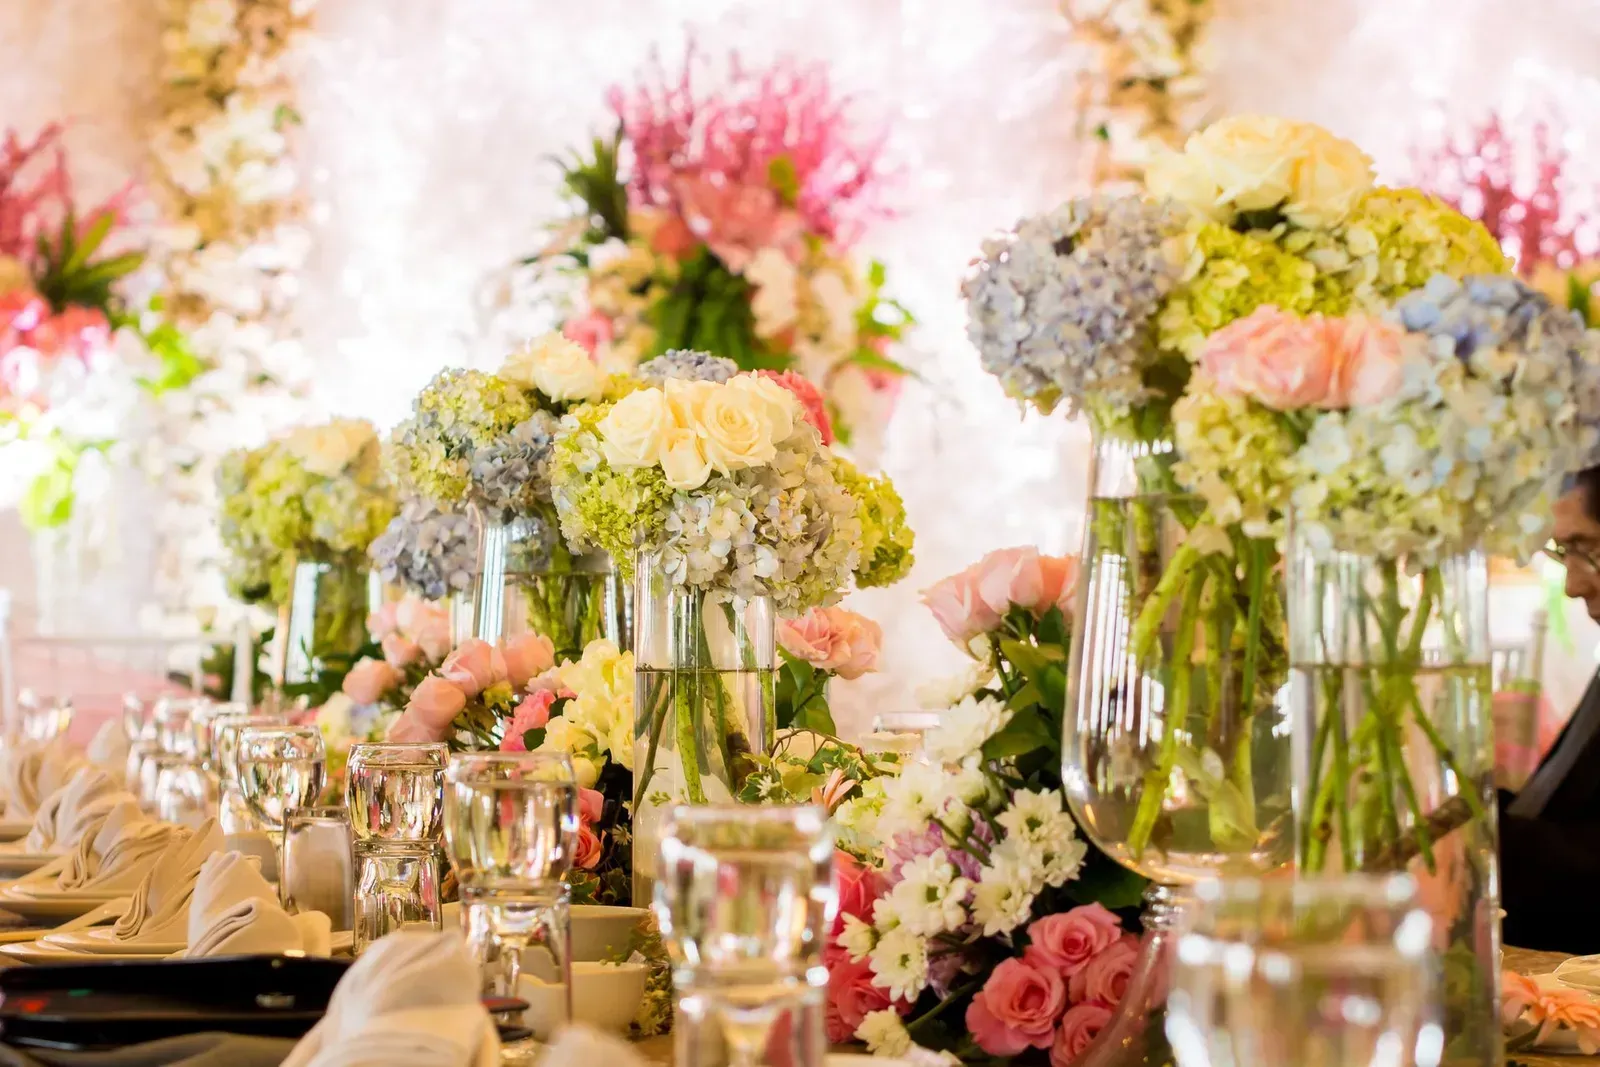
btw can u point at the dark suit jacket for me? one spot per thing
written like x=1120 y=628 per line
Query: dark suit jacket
x=1550 y=842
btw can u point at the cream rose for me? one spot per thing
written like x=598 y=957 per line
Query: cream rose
x=559 y=368
x=1330 y=175
x=683 y=460
x=633 y=431
x=328 y=449
x=736 y=429
x=775 y=404
x=1243 y=163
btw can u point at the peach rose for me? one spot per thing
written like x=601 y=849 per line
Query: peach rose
x=1105 y=978
x=588 y=850
x=435 y=702
x=1017 y=1009
x=408 y=729
x=1068 y=940
x=527 y=656
x=384 y=621
x=590 y=330
x=959 y=608
x=1369 y=361
x=400 y=652
x=1079 y=1027
x=1275 y=358
x=833 y=639
x=533 y=713
x=369 y=679
x=474 y=667
x=1022 y=577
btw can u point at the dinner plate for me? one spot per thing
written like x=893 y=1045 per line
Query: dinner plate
x=102 y=941
x=42 y=952
x=18 y=863
x=13 y=829
x=58 y=906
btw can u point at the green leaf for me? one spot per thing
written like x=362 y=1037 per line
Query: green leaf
x=877 y=274
x=784 y=180
x=91 y=240
x=1025 y=697
x=47 y=502
x=1026 y=732
x=817 y=716
x=533 y=738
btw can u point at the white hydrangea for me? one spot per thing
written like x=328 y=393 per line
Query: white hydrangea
x=965 y=727
x=884 y=1033
x=900 y=963
x=930 y=897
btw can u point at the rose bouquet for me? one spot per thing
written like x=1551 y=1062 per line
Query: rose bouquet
x=726 y=220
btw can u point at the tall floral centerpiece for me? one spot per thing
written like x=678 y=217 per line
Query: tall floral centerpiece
x=298 y=515
x=482 y=442
x=724 y=215
x=735 y=511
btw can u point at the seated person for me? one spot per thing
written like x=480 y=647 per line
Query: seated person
x=1550 y=831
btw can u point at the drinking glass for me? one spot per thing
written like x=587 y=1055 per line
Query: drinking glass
x=395 y=797
x=318 y=874
x=510 y=825
x=1335 y=972
x=234 y=814
x=280 y=767
x=745 y=898
x=182 y=792
x=174 y=723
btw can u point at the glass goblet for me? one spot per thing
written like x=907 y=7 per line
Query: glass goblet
x=395 y=796
x=234 y=814
x=280 y=767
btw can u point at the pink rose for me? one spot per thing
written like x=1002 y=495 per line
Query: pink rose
x=527 y=656
x=588 y=850
x=959 y=607
x=398 y=651
x=851 y=997
x=590 y=330
x=1058 y=584
x=435 y=702
x=531 y=714
x=810 y=397
x=1105 y=978
x=1017 y=1009
x=22 y=310
x=474 y=666
x=1278 y=359
x=1369 y=365
x=370 y=679
x=591 y=805
x=408 y=729
x=1069 y=940
x=1079 y=1027
x=859 y=886
x=382 y=623
x=833 y=639
x=427 y=623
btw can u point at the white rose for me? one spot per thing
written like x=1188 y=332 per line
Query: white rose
x=557 y=367
x=736 y=428
x=683 y=461
x=1243 y=163
x=775 y=404
x=632 y=432
x=328 y=449
x=686 y=398
x=1329 y=177
x=585 y=771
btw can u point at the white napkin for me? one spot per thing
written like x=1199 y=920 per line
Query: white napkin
x=109 y=748
x=64 y=814
x=116 y=852
x=234 y=912
x=31 y=772
x=411 y=1000
x=160 y=908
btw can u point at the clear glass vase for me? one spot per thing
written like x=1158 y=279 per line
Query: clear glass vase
x=1394 y=757
x=324 y=623
x=529 y=582
x=1175 y=749
x=705 y=701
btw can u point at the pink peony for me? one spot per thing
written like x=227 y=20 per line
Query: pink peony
x=527 y=656
x=859 y=887
x=400 y=652
x=370 y=679
x=588 y=850
x=851 y=997
x=1079 y=1027
x=833 y=639
x=1105 y=978
x=1068 y=940
x=435 y=702
x=810 y=397
x=1369 y=361
x=474 y=666
x=1017 y=1009
x=1278 y=359
x=959 y=608
x=531 y=714
x=591 y=330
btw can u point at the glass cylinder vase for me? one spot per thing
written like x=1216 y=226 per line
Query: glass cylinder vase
x=1175 y=751
x=529 y=582
x=1394 y=757
x=705 y=700
x=324 y=622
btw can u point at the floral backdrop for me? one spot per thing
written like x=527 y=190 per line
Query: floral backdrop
x=429 y=126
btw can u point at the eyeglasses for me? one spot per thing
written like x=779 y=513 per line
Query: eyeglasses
x=1567 y=554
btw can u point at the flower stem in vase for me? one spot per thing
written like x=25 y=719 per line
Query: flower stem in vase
x=1176 y=725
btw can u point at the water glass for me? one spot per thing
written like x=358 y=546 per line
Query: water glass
x=183 y=793
x=745 y=898
x=1336 y=972
x=280 y=767
x=318 y=869
x=174 y=723
x=233 y=813
x=511 y=825
x=394 y=796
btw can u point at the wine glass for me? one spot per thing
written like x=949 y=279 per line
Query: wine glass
x=280 y=767
x=1283 y=973
x=745 y=897
x=183 y=793
x=233 y=813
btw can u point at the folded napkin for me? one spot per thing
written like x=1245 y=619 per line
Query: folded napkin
x=64 y=814
x=109 y=747
x=31 y=772
x=160 y=908
x=411 y=1000
x=234 y=912
x=116 y=852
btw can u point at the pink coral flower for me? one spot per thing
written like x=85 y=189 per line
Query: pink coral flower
x=1079 y=1027
x=833 y=639
x=1017 y=1009
x=811 y=400
x=591 y=330
x=531 y=714
x=1105 y=978
x=1068 y=940
x=474 y=667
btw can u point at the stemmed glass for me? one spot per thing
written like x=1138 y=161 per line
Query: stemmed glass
x=1337 y=972
x=280 y=767
x=510 y=825
x=395 y=796
x=745 y=897
x=233 y=813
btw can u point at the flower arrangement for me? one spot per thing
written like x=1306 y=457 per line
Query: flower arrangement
x=726 y=220
x=413 y=636
x=316 y=494
x=973 y=919
x=429 y=552
x=822 y=644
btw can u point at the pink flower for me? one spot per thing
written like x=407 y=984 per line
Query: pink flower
x=531 y=714
x=859 y=887
x=1068 y=940
x=1105 y=978
x=381 y=623
x=591 y=330
x=409 y=729
x=400 y=652
x=588 y=850
x=833 y=639
x=737 y=221
x=1022 y=578
x=370 y=679
x=1079 y=1027
x=810 y=397
x=959 y=607
x=1278 y=359
x=831 y=793
x=1369 y=361
x=591 y=805
x=427 y=623
x=1570 y=1008
x=435 y=702
x=81 y=332
x=474 y=667
x=851 y=997
x=1017 y=1009
x=22 y=310
x=527 y=656
x=1518 y=993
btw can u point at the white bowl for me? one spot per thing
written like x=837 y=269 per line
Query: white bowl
x=604 y=995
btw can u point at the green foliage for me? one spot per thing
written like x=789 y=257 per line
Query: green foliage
x=707 y=308
x=47 y=502
x=68 y=275
x=802 y=696
x=598 y=185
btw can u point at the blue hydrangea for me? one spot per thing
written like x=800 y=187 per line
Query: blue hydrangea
x=430 y=552
x=512 y=473
x=686 y=365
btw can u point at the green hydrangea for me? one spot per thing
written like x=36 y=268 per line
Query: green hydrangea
x=886 y=539
x=600 y=507
x=1235 y=455
x=457 y=414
